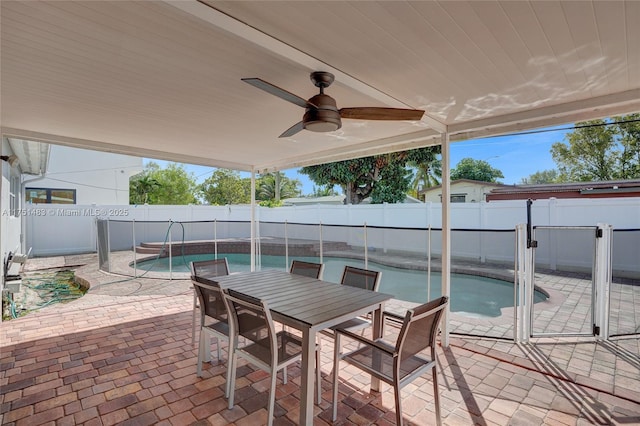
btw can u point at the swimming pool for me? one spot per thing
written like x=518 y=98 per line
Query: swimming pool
x=471 y=295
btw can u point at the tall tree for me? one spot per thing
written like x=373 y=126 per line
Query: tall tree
x=394 y=182
x=589 y=154
x=468 y=168
x=363 y=177
x=171 y=185
x=541 y=176
x=275 y=186
x=628 y=127
x=427 y=174
x=141 y=186
x=225 y=186
x=600 y=150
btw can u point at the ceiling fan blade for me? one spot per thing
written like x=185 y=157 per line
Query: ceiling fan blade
x=299 y=126
x=373 y=113
x=276 y=91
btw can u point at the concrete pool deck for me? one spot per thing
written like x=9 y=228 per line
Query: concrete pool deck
x=122 y=354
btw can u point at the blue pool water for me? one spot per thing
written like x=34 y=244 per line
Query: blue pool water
x=471 y=295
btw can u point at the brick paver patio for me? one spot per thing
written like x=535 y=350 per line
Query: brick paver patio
x=122 y=354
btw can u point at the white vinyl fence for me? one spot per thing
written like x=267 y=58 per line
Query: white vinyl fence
x=67 y=229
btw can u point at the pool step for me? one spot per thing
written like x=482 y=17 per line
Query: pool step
x=268 y=247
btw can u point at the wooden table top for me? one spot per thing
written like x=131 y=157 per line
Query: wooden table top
x=308 y=301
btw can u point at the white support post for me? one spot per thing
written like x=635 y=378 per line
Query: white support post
x=215 y=238
x=429 y=263
x=253 y=220
x=108 y=245
x=286 y=246
x=602 y=277
x=133 y=232
x=366 y=248
x=321 y=249
x=170 y=252
x=446 y=235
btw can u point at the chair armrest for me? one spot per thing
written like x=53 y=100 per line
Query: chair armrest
x=365 y=341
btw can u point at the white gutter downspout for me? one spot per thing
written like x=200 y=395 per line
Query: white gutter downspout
x=446 y=235
x=253 y=219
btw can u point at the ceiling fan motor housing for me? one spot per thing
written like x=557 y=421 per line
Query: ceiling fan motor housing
x=325 y=118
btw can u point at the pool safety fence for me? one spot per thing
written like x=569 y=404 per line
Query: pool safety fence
x=561 y=252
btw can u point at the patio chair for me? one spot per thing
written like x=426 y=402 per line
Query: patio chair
x=205 y=269
x=308 y=269
x=399 y=364
x=268 y=350
x=212 y=308
x=215 y=308
x=360 y=278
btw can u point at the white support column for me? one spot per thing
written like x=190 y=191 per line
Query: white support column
x=253 y=219
x=446 y=234
x=602 y=277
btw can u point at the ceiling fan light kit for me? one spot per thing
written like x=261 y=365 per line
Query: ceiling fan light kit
x=325 y=117
x=321 y=111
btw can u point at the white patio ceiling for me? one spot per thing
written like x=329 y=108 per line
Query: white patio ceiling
x=162 y=79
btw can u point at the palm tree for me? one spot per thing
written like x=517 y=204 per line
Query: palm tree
x=141 y=187
x=274 y=186
x=428 y=174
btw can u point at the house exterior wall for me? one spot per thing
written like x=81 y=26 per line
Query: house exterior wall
x=472 y=192
x=10 y=204
x=96 y=177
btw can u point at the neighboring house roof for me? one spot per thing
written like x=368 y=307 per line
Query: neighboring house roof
x=603 y=189
x=33 y=156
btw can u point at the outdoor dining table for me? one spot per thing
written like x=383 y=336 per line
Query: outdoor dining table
x=309 y=305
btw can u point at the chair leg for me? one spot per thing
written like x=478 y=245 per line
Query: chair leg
x=218 y=348
x=231 y=372
x=272 y=396
x=398 y=397
x=436 y=395
x=336 y=370
x=205 y=338
x=200 y=353
x=193 y=320
x=233 y=361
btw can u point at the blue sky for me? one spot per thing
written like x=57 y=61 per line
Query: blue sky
x=517 y=156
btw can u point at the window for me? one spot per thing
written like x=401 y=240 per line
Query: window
x=50 y=196
x=456 y=198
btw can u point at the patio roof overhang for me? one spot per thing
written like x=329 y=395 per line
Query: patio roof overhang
x=162 y=79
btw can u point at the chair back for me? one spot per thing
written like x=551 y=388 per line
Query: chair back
x=251 y=318
x=211 y=301
x=420 y=328
x=308 y=269
x=209 y=268
x=361 y=278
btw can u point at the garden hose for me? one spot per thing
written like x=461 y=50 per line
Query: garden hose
x=164 y=245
